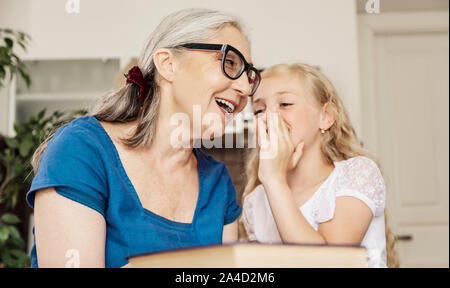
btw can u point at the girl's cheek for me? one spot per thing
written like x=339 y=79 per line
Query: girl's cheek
x=242 y=105
x=289 y=120
x=298 y=125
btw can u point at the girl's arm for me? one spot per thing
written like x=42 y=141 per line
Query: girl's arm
x=350 y=222
x=67 y=234
x=344 y=228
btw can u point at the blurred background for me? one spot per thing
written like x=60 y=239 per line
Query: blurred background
x=388 y=60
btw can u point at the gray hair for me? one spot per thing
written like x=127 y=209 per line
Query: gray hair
x=181 y=27
x=122 y=105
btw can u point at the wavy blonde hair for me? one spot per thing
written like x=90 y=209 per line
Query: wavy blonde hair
x=339 y=143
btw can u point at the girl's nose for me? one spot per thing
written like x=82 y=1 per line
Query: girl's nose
x=273 y=109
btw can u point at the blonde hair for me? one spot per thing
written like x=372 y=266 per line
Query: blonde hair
x=338 y=143
x=122 y=104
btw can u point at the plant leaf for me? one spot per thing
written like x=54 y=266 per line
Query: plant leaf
x=21 y=44
x=41 y=114
x=10 y=218
x=21 y=36
x=17 y=253
x=25 y=147
x=6 y=258
x=15 y=234
x=9 y=42
x=4 y=234
x=11 y=142
x=17 y=242
x=14 y=199
x=2 y=72
x=25 y=76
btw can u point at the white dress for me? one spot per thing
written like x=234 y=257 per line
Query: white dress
x=357 y=177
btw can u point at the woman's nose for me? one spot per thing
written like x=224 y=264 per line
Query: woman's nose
x=242 y=85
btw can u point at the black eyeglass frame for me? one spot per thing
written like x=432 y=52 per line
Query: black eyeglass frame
x=224 y=48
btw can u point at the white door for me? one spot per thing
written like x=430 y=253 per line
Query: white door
x=412 y=122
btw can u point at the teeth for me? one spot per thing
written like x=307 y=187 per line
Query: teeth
x=227 y=106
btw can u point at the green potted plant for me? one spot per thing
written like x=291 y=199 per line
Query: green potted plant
x=16 y=175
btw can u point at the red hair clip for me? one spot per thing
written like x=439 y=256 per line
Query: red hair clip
x=135 y=76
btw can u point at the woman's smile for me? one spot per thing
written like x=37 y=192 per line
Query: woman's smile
x=227 y=106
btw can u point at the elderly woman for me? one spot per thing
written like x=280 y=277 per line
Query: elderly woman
x=113 y=184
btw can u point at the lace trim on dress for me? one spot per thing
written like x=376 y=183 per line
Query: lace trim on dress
x=358 y=177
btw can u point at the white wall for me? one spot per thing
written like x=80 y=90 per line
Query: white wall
x=319 y=32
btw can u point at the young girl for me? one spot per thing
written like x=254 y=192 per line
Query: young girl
x=310 y=180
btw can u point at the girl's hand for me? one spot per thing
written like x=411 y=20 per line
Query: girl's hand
x=278 y=155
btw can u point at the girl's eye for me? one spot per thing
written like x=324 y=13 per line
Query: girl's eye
x=285 y=104
x=257 y=112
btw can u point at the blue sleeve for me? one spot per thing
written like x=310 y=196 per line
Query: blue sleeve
x=73 y=166
x=233 y=210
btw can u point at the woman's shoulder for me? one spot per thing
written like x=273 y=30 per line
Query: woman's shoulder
x=83 y=133
x=85 y=126
x=74 y=164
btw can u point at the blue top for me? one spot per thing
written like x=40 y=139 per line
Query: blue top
x=82 y=164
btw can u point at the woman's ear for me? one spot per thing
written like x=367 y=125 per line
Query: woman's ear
x=164 y=61
x=327 y=116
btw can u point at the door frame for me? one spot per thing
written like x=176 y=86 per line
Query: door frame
x=371 y=25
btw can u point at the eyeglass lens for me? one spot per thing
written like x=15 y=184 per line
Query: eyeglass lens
x=234 y=66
